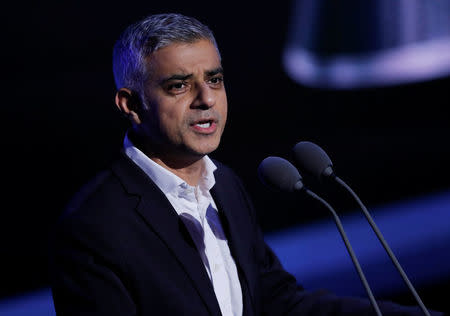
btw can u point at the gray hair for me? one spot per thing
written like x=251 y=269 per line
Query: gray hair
x=144 y=37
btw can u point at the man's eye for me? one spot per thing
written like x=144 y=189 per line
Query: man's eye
x=176 y=86
x=216 y=80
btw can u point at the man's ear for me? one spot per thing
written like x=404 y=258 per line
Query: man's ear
x=128 y=103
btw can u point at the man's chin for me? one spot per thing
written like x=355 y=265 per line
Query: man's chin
x=206 y=150
x=202 y=153
x=200 y=148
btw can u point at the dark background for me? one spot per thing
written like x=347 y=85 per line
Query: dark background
x=61 y=125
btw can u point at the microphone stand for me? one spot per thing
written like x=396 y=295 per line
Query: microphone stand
x=385 y=245
x=349 y=248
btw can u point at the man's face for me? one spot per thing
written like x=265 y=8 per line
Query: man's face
x=186 y=98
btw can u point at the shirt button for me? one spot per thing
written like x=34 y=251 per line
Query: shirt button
x=216 y=267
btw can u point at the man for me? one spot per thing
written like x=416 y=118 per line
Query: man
x=166 y=230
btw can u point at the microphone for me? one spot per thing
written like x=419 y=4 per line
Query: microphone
x=279 y=174
x=314 y=160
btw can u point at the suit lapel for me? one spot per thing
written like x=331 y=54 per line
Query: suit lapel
x=231 y=210
x=160 y=216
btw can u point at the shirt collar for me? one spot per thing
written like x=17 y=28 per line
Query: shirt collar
x=167 y=181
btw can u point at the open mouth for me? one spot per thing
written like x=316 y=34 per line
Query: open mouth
x=205 y=123
x=205 y=126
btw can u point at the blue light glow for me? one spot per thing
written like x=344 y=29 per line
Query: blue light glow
x=418 y=232
x=38 y=303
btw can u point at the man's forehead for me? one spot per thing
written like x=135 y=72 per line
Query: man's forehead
x=185 y=59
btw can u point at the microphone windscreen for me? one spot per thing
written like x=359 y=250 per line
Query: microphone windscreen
x=311 y=158
x=279 y=174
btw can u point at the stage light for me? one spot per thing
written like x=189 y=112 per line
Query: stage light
x=357 y=44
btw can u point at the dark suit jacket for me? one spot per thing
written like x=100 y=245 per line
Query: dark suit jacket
x=121 y=249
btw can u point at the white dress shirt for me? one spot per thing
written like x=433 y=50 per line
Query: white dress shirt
x=192 y=203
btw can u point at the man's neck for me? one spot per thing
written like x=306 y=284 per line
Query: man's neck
x=187 y=167
x=189 y=172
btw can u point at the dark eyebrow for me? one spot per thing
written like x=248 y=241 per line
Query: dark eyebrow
x=218 y=70
x=176 y=77
x=209 y=73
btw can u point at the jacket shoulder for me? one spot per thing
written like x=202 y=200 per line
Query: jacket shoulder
x=224 y=170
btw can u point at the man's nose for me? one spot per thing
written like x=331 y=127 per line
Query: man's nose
x=205 y=97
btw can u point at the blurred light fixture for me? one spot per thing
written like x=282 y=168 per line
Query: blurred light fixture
x=353 y=44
